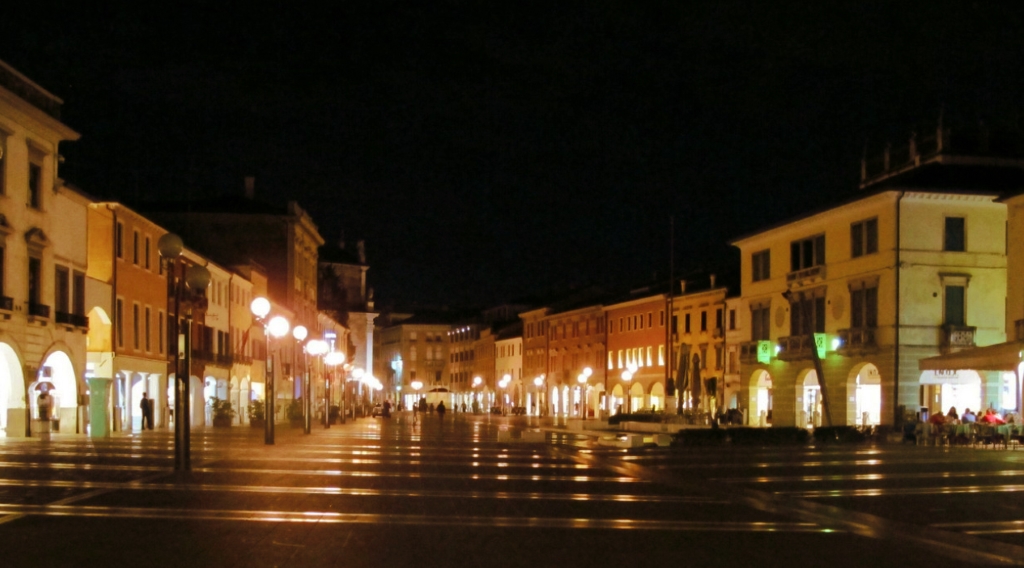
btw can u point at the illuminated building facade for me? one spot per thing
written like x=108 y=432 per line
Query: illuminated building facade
x=914 y=268
x=636 y=356
x=699 y=352
x=42 y=275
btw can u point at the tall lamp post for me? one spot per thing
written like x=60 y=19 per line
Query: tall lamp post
x=627 y=376
x=503 y=385
x=300 y=332
x=316 y=348
x=539 y=383
x=276 y=327
x=333 y=359
x=196 y=279
x=583 y=379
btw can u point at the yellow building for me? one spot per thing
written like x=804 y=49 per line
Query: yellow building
x=42 y=276
x=912 y=269
x=699 y=346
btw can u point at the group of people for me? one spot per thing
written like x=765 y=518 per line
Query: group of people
x=423 y=407
x=990 y=416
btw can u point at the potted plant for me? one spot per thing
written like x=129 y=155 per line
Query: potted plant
x=257 y=414
x=222 y=412
x=294 y=412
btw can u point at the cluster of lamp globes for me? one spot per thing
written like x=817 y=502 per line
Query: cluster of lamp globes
x=278 y=327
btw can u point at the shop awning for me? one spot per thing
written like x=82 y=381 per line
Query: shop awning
x=999 y=357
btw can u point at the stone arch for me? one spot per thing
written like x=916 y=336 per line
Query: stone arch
x=761 y=389
x=12 y=390
x=636 y=397
x=808 y=405
x=658 y=395
x=864 y=395
x=59 y=371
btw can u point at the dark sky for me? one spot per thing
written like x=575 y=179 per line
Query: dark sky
x=492 y=150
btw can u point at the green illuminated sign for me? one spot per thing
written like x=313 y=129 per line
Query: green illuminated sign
x=819 y=343
x=764 y=352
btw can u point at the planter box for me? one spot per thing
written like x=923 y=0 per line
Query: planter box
x=221 y=421
x=257 y=423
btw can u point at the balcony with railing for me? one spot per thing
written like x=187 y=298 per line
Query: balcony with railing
x=795 y=347
x=71 y=319
x=807 y=274
x=38 y=310
x=857 y=341
x=433 y=364
x=748 y=353
x=957 y=337
x=7 y=303
x=1019 y=325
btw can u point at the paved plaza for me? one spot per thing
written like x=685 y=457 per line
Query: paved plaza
x=394 y=492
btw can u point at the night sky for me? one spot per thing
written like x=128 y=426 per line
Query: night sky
x=489 y=151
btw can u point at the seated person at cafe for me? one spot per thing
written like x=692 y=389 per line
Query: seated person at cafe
x=952 y=417
x=968 y=417
x=938 y=419
x=992 y=417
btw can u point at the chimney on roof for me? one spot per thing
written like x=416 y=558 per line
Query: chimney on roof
x=682 y=286
x=250 y=187
x=712 y=281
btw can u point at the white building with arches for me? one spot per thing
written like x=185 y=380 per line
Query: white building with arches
x=42 y=274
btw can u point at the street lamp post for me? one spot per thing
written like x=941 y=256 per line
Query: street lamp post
x=196 y=278
x=582 y=379
x=357 y=374
x=300 y=332
x=627 y=376
x=316 y=348
x=276 y=327
x=503 y=385
x=333 y=359
x=539 y=383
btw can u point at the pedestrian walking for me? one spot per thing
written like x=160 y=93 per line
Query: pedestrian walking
x=440 y=410
x=146 y=406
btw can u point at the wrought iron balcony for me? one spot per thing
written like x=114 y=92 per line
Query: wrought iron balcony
x=748 y=353
x=71 y=319
x=796 y=347
x=202 y=355
x=433 y=363
x=957 y=337
x=857 y=341
x=7 y=303
x=38 y=310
